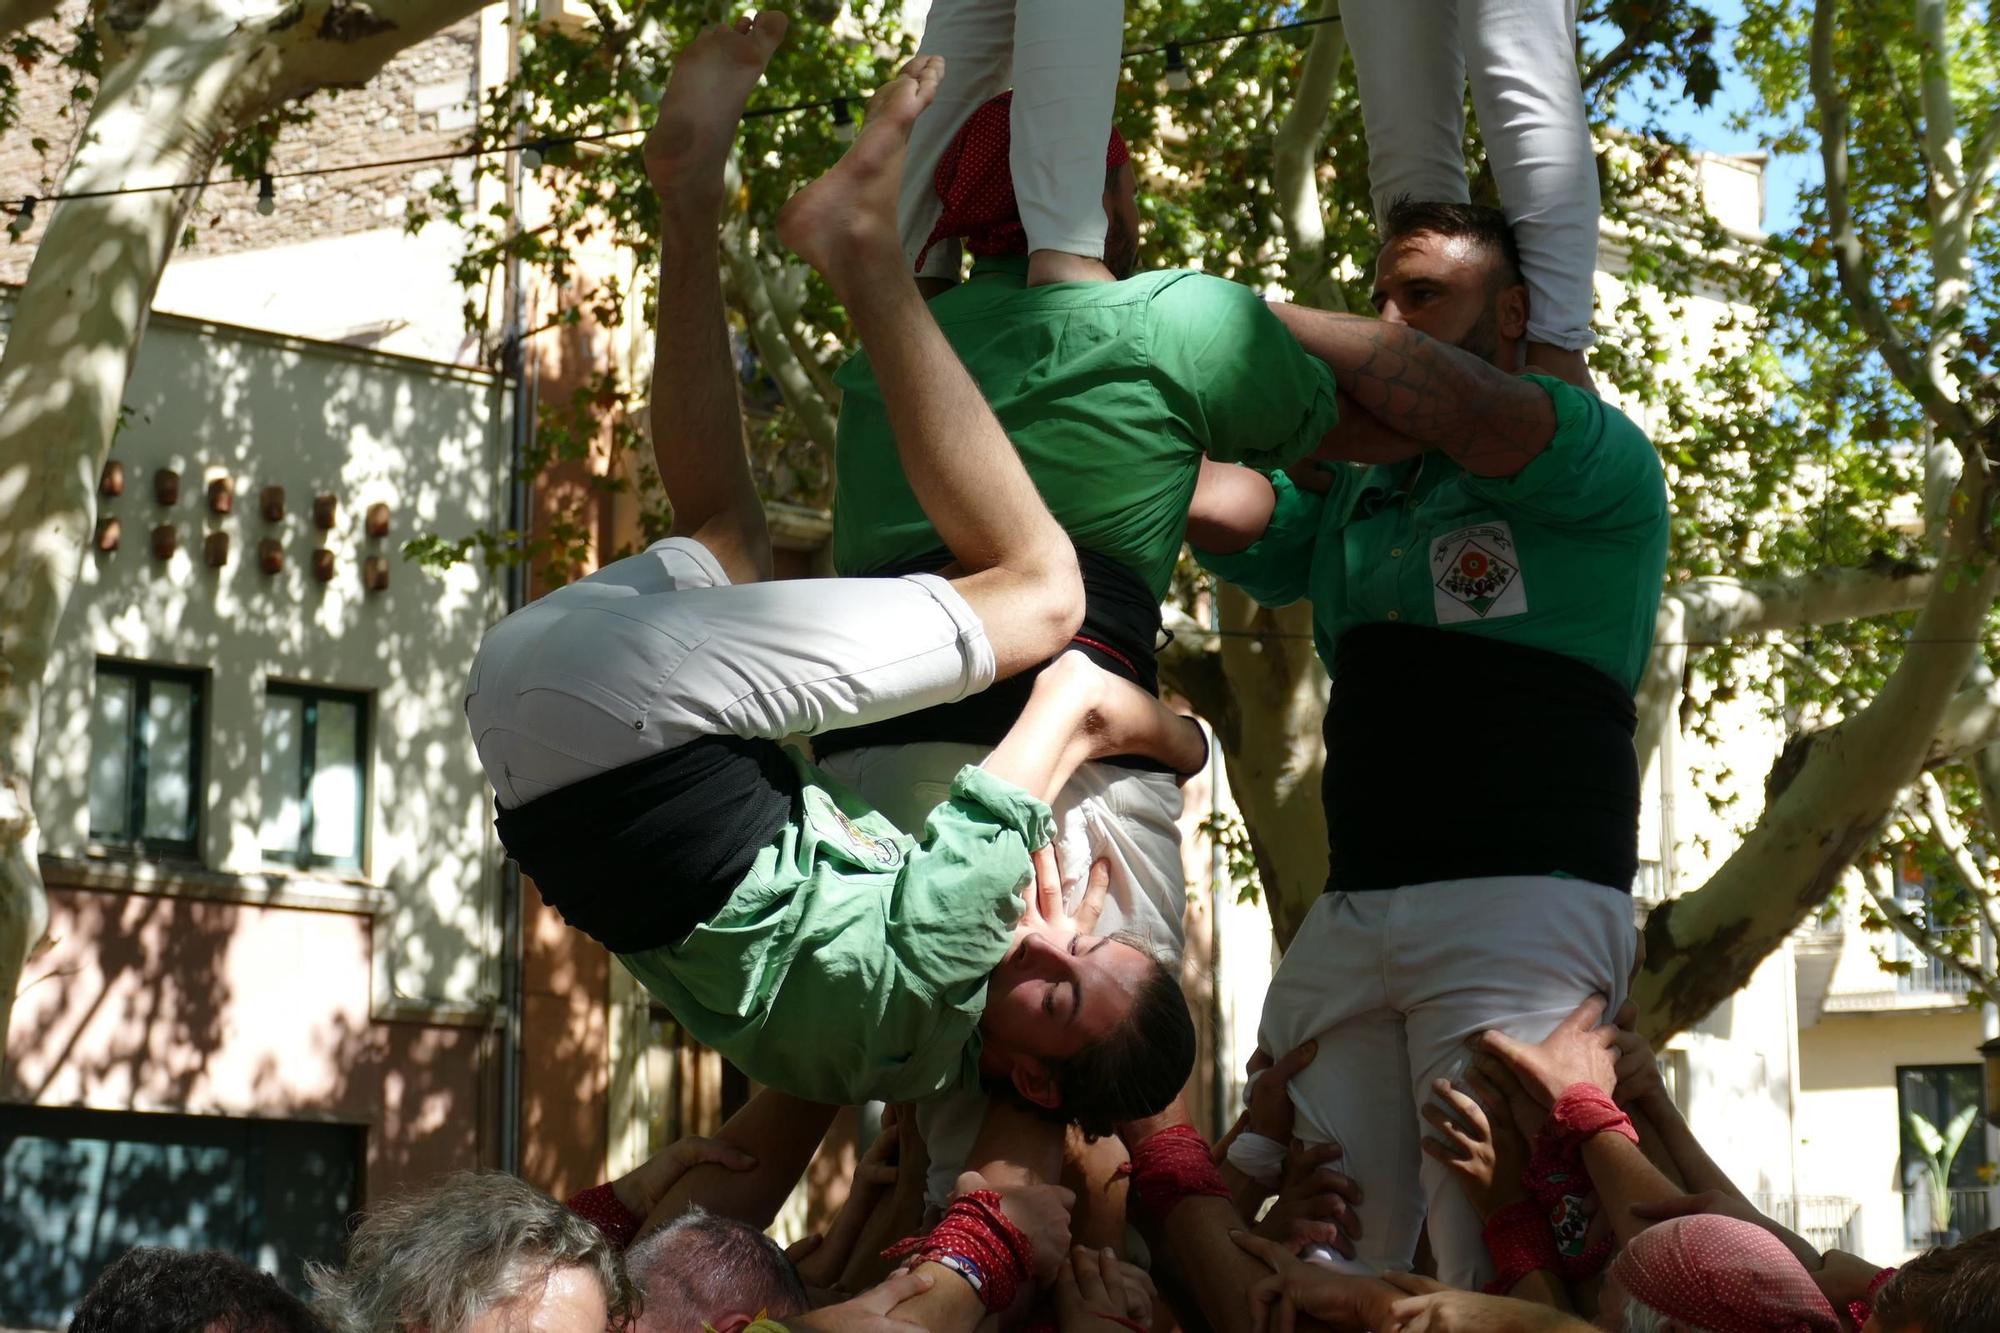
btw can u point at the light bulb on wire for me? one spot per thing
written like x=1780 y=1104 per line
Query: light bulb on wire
x=531 y=154
x=267 y=195
x=843 y=121
x=24 y=218
x=1177 y=70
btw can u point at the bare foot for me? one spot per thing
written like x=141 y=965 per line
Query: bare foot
x=706 y=93
x=850 y=212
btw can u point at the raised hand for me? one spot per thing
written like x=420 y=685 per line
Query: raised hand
x=870 y=1311
x=1316 y=1204
x=1095 y=1293
x=1041 y=1211
x=1295 y=1287
x=1483 y=1152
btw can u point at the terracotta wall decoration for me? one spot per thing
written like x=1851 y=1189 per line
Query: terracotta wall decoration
x=215 y=550
x=271 y=503
x=324 y=508
x=108 y=535
x=111 y=481
x=166 y=486
x=165 y=542
x=375 y=573
x=377 y=524
x=323 y=565
x=270 y=555
x=221 y=495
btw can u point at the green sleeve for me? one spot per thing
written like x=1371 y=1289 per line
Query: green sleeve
x=1232 y=371
x=958 y=899
x=1276 y=569
x=1598 y=471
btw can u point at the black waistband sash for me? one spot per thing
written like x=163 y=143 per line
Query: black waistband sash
x=1452 y=756
x=637 y=857
x=1121 y=625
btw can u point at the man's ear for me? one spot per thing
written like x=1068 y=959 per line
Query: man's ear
x=1512 y=309
x=1032 y=1079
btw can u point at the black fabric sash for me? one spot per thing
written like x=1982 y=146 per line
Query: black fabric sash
x=1453 y=756
x=1121 y=625
x=637 y=857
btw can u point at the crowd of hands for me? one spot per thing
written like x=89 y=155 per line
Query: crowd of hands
x=1240 y=1269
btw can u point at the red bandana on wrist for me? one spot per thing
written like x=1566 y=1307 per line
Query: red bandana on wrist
x=1557 y=1181
x=976 y=183
x=975 y=1230
x=1171 y=1166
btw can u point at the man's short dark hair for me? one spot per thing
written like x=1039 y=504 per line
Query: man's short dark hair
x=1955 y=1290
x=701 y=1268
x=1486 y=227
x=155 y=1290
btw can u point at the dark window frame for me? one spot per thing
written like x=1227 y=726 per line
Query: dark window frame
x=303 y=857
x=138 y=758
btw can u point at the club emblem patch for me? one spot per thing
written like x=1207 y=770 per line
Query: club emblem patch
x=1476 y=575
x=836 y=829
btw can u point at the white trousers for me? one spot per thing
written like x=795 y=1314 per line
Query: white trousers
x=658 y=649
x=1391 y=984
x=1411 y=62
x=1118 y=815
x=1061 y=58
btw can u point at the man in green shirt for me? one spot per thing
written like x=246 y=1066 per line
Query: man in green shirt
x=629 y=721
x=1484 y=588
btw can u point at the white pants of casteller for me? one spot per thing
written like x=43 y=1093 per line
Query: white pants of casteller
x=1061 y=58
x=1391 y=984
x=1118 y=815
x=1411 y=62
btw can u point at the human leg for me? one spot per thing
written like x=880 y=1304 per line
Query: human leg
x=975 y=39
x=1020 y=569
x=696 y=421
x=1065 y=85
x=1410 y=73
x=1517 y=954
x=1521 y=57
x=1329 y=988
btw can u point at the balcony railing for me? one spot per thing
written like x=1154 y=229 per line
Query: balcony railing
x=1973 y=1212
x=1928 y=976
x=1828 y=1221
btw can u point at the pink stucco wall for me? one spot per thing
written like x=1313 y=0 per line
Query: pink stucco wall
x=155 y=1003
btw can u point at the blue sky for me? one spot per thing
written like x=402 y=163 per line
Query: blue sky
x=1709 y=127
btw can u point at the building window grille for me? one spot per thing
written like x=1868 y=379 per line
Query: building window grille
x=146 y=737
x=315 y=777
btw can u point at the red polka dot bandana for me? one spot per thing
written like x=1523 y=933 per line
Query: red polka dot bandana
x=1723 y=1274
x=977 y=185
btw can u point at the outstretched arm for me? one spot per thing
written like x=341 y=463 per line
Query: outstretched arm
x=1079 y=712
x=780 y=1133
x=1490 y=422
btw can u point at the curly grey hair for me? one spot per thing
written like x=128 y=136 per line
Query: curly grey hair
x=439 y=1257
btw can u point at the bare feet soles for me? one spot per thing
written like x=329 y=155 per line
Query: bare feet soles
x=710 y=85
x=849 y=214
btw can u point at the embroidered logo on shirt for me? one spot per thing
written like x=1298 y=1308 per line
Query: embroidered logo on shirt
x=1476 y=575
x=861 y=846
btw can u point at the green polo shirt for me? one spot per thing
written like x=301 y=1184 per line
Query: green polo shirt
x=1566 y=555
x=851 y=962
x=1112 y=392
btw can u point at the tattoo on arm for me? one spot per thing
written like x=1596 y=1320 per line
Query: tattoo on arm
x=1491 y=422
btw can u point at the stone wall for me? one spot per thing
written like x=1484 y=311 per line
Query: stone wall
x=422 y=102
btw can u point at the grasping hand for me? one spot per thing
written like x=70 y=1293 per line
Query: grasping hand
x=1042 y=1213
x=641 y=1189
x=1316 y=1203
x=1094 y=1292
x=1295 y=1287
x=1578 y=1051
x=1484 y=1153
x=1044 y=913
x=1432 y=1307
x=870 y=1311
x=822 y=1264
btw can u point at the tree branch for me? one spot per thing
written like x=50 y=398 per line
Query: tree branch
x=1851 y=261
x=1717 y=607
x=1901 y=916
x=774 y=349
x=1295 y=149
x=1946 y=832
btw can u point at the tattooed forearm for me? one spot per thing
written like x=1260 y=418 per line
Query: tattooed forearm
x=1491 y=422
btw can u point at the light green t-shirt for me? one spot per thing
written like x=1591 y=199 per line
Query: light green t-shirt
x=1567 y=555
x=1111 y=391
x=851 y=962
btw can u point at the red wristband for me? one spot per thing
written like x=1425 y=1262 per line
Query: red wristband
x=1586 y=1110
x=601 y=1207
x=1556 y=1178
x=1173 y=1165
x=1520 y=1242
x=975 y=1232
x=1863 y=1310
